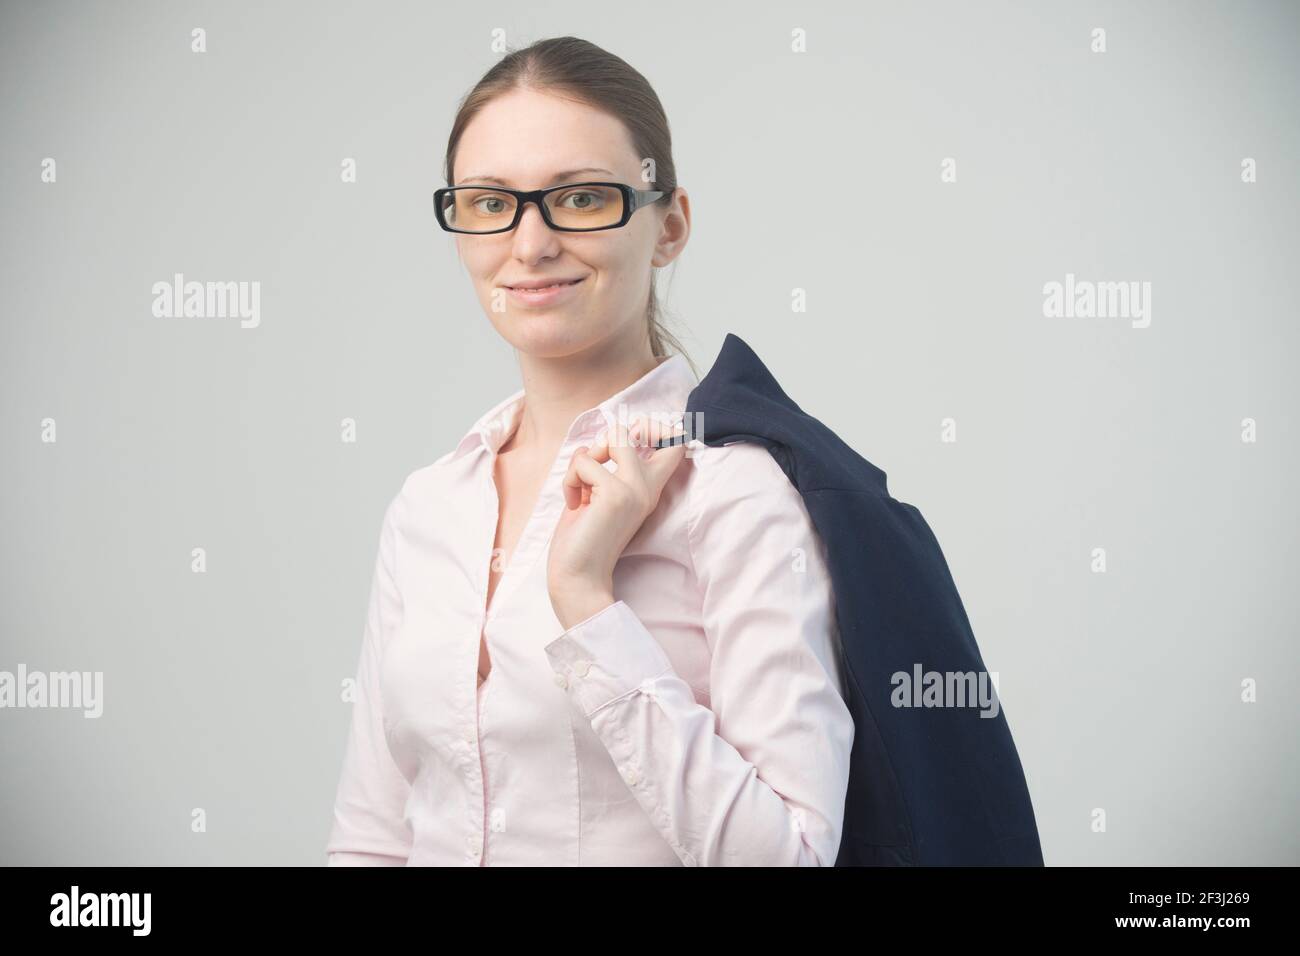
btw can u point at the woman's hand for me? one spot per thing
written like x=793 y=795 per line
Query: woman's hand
x=603 y=510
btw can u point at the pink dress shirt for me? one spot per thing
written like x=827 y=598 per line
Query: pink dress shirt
x=699 y=720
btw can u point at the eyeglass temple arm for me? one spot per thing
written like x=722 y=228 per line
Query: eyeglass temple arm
x=644 y=197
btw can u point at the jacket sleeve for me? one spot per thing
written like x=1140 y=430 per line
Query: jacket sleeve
x=369 y=827
x=759 y=777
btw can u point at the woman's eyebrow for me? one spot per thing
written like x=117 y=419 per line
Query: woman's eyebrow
x=557 y=178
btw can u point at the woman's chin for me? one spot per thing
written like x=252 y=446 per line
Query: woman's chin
x=551 y=335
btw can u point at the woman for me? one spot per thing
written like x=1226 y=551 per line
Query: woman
x=580 y=651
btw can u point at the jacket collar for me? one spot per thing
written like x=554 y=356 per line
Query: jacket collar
x=740 y=400
x=660 y=392
x=738 y=380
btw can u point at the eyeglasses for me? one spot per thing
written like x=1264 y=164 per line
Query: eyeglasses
x=573 y=207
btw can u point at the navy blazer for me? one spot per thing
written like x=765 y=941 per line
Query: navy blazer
x=928 y=785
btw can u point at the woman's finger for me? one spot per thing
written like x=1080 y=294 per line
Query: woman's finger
x=579 y=478
x=590 y=473
x=599 y=449
x=621 y=450
x=572 y=485
x=657 y=431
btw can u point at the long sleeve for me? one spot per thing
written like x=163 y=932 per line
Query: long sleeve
x=759 y=777
x=369 y=828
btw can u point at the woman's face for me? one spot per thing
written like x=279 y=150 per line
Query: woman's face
x=531 y=140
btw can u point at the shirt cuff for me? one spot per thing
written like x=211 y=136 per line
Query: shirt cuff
x=605 y=657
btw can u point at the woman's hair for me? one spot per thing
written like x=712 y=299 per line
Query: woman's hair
x=581 y=71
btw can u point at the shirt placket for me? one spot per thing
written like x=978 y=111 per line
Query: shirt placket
x=533 y=540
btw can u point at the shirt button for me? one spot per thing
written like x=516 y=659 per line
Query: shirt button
x=581 y=667
x=469 y=735
x=631 y=776
x=471 y=842
x=561 y=680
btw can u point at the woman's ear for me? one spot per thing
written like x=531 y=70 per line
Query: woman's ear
x=674 y=230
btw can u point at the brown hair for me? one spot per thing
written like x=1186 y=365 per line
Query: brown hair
x=581 y=71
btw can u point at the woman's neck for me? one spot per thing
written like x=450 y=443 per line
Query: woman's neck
x=558 y=390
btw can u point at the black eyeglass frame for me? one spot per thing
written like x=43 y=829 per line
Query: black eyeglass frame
x=633 y=199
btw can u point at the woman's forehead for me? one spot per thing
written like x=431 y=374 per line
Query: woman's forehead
x=540 y=180
x=519 y=146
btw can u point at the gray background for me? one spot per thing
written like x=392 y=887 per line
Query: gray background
x=222 y=689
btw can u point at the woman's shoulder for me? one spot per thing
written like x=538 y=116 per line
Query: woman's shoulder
x=747 y=516
x=743 y=475
x=427 y=494
x=741 y=465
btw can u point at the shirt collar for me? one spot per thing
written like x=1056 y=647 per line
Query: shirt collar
x=660 y=392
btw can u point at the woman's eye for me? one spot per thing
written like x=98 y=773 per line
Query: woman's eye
x=584 y=200
x=490 y=210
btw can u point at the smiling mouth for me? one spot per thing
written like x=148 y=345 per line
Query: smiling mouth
x=547 y=288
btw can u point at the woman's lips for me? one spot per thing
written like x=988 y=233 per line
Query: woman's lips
x=547 y=296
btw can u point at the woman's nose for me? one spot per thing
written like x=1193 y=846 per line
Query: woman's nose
x=532 y=233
